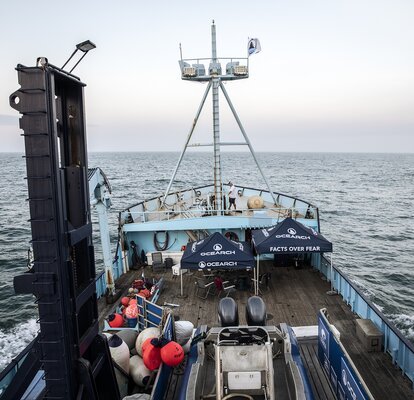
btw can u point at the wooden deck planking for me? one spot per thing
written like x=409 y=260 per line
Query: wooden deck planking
x=294 y=296
x=317 y=377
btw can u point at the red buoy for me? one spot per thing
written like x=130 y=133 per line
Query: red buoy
x=151 y=355
x=172 y=354
x=146 y=344
x=125 y=301
x=116 y=321
x=144 y=293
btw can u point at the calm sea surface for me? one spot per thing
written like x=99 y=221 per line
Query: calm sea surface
x=366 y=203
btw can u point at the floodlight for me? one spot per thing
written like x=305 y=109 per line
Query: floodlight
x=84 y=47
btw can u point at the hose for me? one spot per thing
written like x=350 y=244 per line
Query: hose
x=161 y=246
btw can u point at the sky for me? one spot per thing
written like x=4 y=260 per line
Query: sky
x=332 y=76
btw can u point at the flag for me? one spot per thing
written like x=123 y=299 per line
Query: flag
x=253 y=46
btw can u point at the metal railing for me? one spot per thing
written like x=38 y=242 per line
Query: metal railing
x=400 y=349
x=163 y=215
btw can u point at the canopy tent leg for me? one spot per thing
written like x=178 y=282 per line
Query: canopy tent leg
x=181 y=282
x=254 y=278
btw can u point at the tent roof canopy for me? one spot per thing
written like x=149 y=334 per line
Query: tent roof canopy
x=290 y=236
x=217 y=252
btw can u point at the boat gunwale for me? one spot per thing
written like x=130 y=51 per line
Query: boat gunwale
x=373 y=307
x=205 y=186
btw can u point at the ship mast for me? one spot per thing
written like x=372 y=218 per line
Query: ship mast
x=215 y=79
x=195 y=70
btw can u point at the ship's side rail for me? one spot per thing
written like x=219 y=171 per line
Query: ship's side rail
x=400 y=349
x=201 y=199
x=151 y=216
x=17 y=373
x=117 y=271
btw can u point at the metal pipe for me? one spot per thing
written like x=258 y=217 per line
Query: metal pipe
x=221 y=144
x=218 y=193
x=216 y=136
x=247 y=139
x=213 y=43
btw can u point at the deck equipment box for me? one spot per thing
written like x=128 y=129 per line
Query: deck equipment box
x=369 y=335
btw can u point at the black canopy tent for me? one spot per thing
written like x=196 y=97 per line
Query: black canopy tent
x=217 y=252
x=288 y=237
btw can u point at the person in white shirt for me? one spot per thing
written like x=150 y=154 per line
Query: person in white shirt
x=232 y=196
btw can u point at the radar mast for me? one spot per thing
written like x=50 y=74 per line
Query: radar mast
x=214 y=76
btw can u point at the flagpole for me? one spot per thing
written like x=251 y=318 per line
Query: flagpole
x=181 y=281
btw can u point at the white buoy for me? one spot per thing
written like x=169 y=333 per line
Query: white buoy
x=129 y=336
x=186 y=346
x=138 y=396
x=143 y=336
x=183 y=331
x=255 y=202
x=119 y=352
x=138 y=371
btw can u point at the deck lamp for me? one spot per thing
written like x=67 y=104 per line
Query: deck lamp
x=83 y=47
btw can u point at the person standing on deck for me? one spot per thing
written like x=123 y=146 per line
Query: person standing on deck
x=232 y=196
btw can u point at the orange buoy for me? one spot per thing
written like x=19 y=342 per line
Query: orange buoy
x=151 y=355
x=116 y=321
x=172 y=354
x=125 y=301
x=133 y=301
x=146 y=344
x=144 y=293
x=143 y=336
x=131 y=311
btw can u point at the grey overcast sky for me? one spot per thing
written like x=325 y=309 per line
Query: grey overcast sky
x=333 y=75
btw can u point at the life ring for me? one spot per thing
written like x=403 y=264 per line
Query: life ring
x=232 y=236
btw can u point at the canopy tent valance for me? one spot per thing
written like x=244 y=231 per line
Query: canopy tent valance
x=217 y=252
x=288 y=237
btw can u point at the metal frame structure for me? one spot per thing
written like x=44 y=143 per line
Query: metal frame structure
x=215 y=79
x=75 y=359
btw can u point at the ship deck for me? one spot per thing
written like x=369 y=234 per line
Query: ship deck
x=294 y=296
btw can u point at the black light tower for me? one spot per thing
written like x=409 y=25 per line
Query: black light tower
x=74 y=356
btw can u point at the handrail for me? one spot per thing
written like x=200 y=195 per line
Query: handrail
x=283 y=212
x=399 y=347
x=192 y=189
x=6 y=376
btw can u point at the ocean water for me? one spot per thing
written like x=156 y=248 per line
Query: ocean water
x=365 y=200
